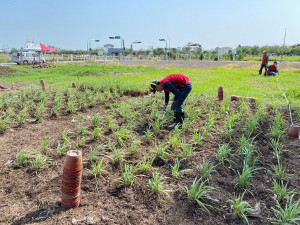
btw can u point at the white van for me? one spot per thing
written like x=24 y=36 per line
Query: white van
x=28 y=58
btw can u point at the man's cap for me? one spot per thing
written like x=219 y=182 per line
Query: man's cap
x=153 y=85
x=264 y=51
x=275 y=62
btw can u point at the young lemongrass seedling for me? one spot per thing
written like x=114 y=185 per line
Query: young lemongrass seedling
x=176 y=172
x=117 y=156
x=229 y=125
x=199 y=192
x=39 y=112
x=23 y=157
x=44 y=143
x=94 y=154
x=245 y=175
x=225 y=106
x=80 y=140
x=96 y=120
x=187 y=150
x=157 y=185
x=161 y=150
x=134 y=145
x=206 y=170
x=98 y=133
x=156 y=127
x=128 y=175
x=39 y=162
x=65 y=137
x=288 y=215
x=70 y=107
x=145 y=165
x=96 y=170
x=62 y=149
x=29 y=105
x=174 y=141
x=21 y=116
x=107 y=94
x=251 y=124
x=82 y=102
x=279 y=172
x=223 y=154
x=277 y=125
x=81 y=129
x=122 y=134
x=281 y=190
x=197 y=137
x=209 y=124
x=3 y=124
x=148 y=135
x=277 y=148
x=240 y=207
x=243 y=108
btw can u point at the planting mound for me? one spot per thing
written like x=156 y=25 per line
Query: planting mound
x=42 y=66
x=4 y=70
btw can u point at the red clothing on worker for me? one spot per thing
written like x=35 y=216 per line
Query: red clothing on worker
x=265 y=59
x=177 y=79
x=271 y=69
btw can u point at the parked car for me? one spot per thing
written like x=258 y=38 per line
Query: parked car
x=28 y=58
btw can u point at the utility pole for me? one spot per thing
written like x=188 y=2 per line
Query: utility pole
x=283 y=46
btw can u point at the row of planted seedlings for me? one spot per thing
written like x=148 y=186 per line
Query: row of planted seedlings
x=125 y=137
x=250 y=160
x=32 y=104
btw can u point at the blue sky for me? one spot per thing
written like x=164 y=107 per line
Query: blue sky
x=68 y=24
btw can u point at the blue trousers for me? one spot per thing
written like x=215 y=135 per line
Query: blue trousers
x=183 y=93
x=271 y=74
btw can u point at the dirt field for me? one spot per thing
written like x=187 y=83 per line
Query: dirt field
x=33 y=197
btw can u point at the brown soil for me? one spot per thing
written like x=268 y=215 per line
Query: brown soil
x=4 y=70
x=28 y=197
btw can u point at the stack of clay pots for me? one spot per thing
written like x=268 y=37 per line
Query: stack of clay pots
x=293 y=131
x=43 y=85
x=71 y=180
x=220 y=93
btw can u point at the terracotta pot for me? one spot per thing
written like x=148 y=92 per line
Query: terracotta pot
x=69 y=189
x=293 y=131
x=73 y=161
x=71 y=184
x=73 y=85
x=70 y=205
x=67 y=199
x=69 y=174
x=220 y=93
x=43 y=85
x=234 y=98
x=70 y=195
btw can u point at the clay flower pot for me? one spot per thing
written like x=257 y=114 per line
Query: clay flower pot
x=234 y=98
x=73 y=161
x=220 y=93
x=66 y=205
x=43 y=85
x=293 y=131
x=284 y=111
x=71 y=200
x=73 y=85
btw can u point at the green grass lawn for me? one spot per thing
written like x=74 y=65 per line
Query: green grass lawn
x=243 y=82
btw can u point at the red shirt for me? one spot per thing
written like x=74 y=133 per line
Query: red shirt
x=177 y=79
